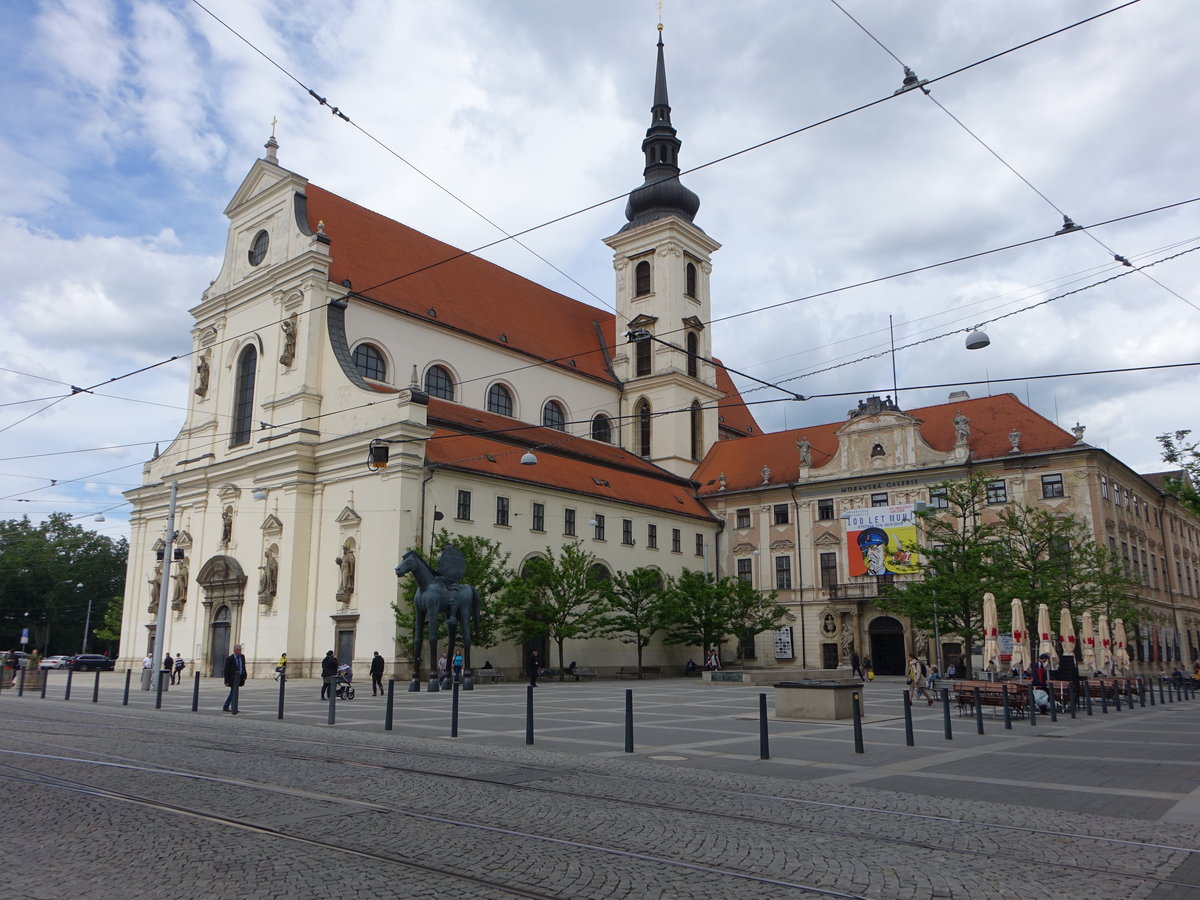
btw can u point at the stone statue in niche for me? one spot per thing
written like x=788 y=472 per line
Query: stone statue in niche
x=202 y=374
x=227 y=525
x=155 y=581
x=288 y=356
x=346 y=563
x=766 y=474
x=846 y=640
x=268 y=578
x=181 y=584
x=805 y=449
x=920 y=641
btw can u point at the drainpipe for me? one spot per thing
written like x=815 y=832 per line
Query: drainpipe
x=800 y=580
x=421 y=524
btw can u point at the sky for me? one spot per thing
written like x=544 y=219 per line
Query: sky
x=128 y=125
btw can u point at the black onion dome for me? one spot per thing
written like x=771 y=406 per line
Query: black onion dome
x=662 y=194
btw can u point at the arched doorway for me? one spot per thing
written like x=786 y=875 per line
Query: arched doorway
x=218 y=643
x=887 y=645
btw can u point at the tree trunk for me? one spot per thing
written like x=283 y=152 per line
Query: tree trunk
x=560 y=642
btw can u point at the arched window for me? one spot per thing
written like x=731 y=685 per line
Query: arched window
x=643 y=357
x=697 y=423
x=243 y=397
x=370 y=363
x=693 y=353
x=500 y=400
x=553 y=415
x=601 y=428
x=690 y=280
x=599 y=573
x=641 y=277
x=643 y=428
x=438 y=383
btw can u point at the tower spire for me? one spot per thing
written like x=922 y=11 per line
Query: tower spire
x=661 y=194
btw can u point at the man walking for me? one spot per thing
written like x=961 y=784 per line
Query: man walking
x=856 y=667
x=235 y=677
x=328 y=673
x=377 y=674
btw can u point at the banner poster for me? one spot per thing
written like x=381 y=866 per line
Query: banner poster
x=877 y=539
x=783 y=643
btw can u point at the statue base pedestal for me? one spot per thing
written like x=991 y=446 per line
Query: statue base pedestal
x=434 y=685
x=414 y=686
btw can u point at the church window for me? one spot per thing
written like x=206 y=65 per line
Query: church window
x=439 y=383
x=641 y=277
x=553 y=415
x=243 y=402
x=601 y=428
x=643 y=357
x=690 y=279
x=500 y=400
x=369 y=362
x=697 y=429
x=693 y=354
x=258 y=248
x=643 y=428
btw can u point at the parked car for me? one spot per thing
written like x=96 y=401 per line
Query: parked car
x=54 y=662
x=86 y=662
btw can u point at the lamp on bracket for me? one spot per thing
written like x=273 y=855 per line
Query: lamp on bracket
x=259 y=493
x=528 y=459
x=977 y=339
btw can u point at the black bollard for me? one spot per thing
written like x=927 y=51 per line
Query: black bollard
x=908 y=729
x=1053 y=702
x=1170 y=691
x=764 y=748
x=391 y=700
x=454 y=709
x=1007 y=709
x=282 y=690
x=468 y=683
x=20 y=682
x=1116 y=695
x=45 y=679
x=195 y=690
x=128 y=676
x=1032 y=707
x=70 y=676
x=414 y=686
x=1103 y=696
x=1087 y=696
x=1161 y=697
x=1141 y=688
x=946 y=713
x=978 y=712
x=529 y=714
x=856 y=707
x=1074 y=699
x=628 y=720
x=95 y=688
x=1129 y=692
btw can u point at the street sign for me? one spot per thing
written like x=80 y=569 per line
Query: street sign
x=24 y=636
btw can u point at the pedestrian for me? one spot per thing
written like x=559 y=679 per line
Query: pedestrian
x=235 y=677
x=931 y=683
x=147 y=672
x=714 y=661
x=951 y=671
x=179 y=664
x=868 y=668
x=376 y=674
x=458 y=667
x=281 y=669
x=329 y=666
x=535 y=666
x=168 y=670
x=856 y=667
x=1040 y=674
x=916 y=673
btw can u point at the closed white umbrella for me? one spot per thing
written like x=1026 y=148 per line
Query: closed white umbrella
x=1105 y=649
x=1020 y=650
x=1066 y=632
x=1045 y=636
x=991 y=633
x=1120 y=646
x=1087 y=641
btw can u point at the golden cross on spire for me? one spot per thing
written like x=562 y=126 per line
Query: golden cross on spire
x=660 y=3
x=275 y=121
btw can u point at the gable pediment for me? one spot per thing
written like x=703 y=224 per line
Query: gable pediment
x=348 y=517
x=262 y=177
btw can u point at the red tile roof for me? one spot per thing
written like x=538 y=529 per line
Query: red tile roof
x=733 y=412
x=467 y=293
x=476 y=441
x=991 y=419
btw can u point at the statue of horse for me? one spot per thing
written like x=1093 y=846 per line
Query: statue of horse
x=439 y=594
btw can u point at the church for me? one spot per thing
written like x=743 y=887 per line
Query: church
x=511 y=412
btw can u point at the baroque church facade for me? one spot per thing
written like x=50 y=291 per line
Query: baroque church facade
x=331 y=329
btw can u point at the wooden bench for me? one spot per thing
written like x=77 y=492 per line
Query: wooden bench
x=632 y=671
x=991 y=694
x=582 y=674
x=492 y=675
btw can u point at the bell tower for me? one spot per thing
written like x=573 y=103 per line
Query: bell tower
x=662 y=261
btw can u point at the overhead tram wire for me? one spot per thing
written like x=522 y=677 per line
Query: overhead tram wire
x=911 y=81
x=699 y=167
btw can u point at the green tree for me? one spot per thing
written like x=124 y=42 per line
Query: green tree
x=957 y=555
x=1178 y=452
x=557 y=597
x=48 y=573
x=634 y=604
x=751 y=612
x=109 y=631
x=487 y=570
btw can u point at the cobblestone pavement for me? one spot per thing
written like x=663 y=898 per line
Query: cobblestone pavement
x=108 y=800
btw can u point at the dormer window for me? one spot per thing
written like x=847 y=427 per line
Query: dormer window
x=258 y=248
x=641 y=278
x=370 y=363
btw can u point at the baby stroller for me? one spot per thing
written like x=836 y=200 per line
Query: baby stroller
x=343 y=689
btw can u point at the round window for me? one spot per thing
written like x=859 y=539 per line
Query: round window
x=258 y=249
